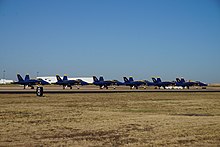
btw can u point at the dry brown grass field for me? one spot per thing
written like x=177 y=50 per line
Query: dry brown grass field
x=118 y=119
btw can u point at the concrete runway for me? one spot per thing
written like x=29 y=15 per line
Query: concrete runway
x=11 y=89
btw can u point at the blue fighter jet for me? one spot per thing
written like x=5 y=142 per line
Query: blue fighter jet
x=201 y=84
x=148 y=83
x=183 y=83
x=132 y=83
x=29 y=82
x=81 y=82
x=158 y=82
x=117 y=83
x=101 y=82
x=40 y=81
x=65 y=82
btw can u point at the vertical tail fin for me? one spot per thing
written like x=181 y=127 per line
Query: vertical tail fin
x=27 y=77
x=65 y=78
x=19 y=78
x=95 y=79
x=125 y=79
x=178 y=80
x=154 y=80
x=159 y=80
x=58 y=78
x=101 y=78
x=182 y=80
x=131 y=79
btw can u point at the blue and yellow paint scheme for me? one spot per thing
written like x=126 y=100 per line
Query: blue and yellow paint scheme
x=29 y=82
x=133 y=84
x=159 y=83
x=101 y=82
x=65 y=82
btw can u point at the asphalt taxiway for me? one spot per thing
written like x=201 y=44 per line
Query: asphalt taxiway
x=94 y=89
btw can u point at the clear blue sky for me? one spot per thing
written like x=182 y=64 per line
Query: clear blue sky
x=113 y=38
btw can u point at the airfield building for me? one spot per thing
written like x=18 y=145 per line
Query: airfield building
x=53 y=79
x=4 y=81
